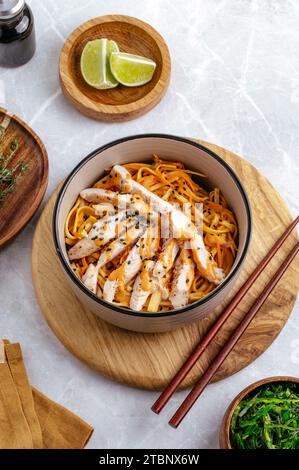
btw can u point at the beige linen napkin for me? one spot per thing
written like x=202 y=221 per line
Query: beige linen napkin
x=28 y=419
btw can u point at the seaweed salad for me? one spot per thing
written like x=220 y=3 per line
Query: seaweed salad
x=267 y=418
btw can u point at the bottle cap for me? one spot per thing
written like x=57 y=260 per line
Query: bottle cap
x=10 y=8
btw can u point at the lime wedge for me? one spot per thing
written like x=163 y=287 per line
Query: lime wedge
x=95 y=63
x=131 y=70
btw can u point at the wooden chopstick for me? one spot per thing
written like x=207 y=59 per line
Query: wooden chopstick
x=212 y=369
x=201 y=347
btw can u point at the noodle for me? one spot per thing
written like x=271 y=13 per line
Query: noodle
x=174 y=184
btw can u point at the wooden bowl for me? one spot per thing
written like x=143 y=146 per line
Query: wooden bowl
x=20 y=205
x=224 y=435
x=120 y=103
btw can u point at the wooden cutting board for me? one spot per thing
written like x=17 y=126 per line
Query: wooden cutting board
x=149 y=361
x=23 y=154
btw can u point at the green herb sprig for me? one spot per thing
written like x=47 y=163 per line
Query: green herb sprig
x=9 y=175
x=267 y=419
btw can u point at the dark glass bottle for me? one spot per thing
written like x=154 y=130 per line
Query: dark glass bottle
x=17 y=35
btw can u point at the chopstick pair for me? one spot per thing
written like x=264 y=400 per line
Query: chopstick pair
x=219 y=359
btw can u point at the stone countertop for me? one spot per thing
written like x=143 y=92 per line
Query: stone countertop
x=235 y=82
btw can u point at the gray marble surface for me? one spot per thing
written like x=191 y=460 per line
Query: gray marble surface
x=235 y=82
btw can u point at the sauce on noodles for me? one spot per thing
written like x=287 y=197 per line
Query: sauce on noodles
x=172 y=182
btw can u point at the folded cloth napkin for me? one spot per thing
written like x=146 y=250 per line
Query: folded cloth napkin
x=28 y=419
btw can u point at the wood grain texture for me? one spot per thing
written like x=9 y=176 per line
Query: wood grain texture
x=150 y=360
x=120 y=103
x=18 y=208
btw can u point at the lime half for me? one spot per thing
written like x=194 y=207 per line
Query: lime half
x=95 y=63
x=131 y=70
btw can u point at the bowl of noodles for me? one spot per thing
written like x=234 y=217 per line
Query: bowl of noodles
x=151 y=231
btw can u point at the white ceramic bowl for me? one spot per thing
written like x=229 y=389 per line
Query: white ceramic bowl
x=140 y=148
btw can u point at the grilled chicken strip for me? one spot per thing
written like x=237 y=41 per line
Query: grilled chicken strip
x=124 y=274
x=145 y=247
x=84 y=247
x=115 y=248
x=108 y=227
x=102 y=207
x=181 y=226
x=164 y=264
x=102 y=231
x=123 y=180
x=204 y=261
x=127 y=237
x=143 y=287
x=90 y=278
x=98 y=195
x=183 y=279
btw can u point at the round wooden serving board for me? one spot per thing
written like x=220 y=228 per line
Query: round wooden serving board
x=120 y=103
x=150 y=360
x=19 y=206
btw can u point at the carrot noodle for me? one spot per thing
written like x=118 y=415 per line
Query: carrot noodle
x=172 y=182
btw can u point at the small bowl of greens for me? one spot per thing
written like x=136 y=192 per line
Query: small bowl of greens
x=265 y=415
